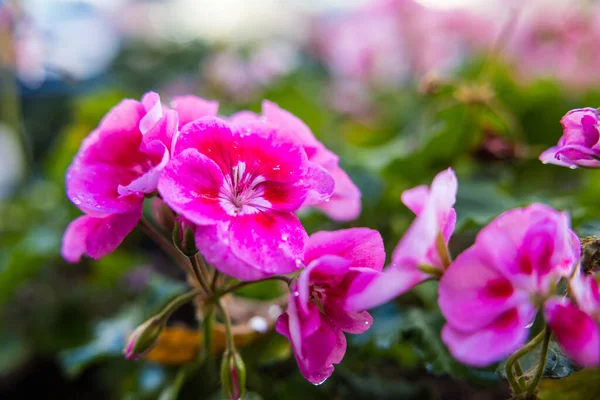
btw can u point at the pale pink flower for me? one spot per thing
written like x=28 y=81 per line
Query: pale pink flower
x=241 y=184
x=579 y=146
x=316 y=316
x=345 y=203
x=577 y=325
x=491 y=292
x=420 y=245
x=117 y=165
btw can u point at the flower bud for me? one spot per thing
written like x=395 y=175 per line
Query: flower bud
x=233 y=375
x=184 y=236
x=143 y=338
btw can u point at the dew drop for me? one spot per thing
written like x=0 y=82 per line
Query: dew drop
x=366 y=322
x=573 y=167
x=320 y=383
x=277 y=168
x=285 y=236
x=544 y=162
x=529 y=325
x=296 y=294
x=76 y=200
x=327 y=200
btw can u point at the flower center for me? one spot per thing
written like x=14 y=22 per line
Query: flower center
x=242 y=192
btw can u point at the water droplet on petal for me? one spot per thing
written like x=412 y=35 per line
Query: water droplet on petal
x=573 y=166
x=296 y=294
x=366 y=322
x=285 y=237
x=320 y=383
x=327 y=200
x=544 y=162
x=529 y=325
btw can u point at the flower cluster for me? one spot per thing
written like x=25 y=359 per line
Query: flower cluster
x=232 y=186
x=238 y=180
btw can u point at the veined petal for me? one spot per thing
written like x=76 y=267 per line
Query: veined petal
x=271 y=242
x=190 y=185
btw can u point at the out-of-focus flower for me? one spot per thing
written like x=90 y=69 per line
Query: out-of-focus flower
x=579 y=145
x=344 y=204
x=117 y=165
x=389 y=42
x=316 y=316
x=554 y=41
x=422 y=252
x=577 y=325
x=491 y=292
x=243 y=77
x=240 y=185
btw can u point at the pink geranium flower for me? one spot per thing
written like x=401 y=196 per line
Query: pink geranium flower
x=491 y=292
x=577 y=325
x=117 y=165
x=316 y=316
x=579 y=145
x=420 y=247
x=344 y=204
x=241 y=185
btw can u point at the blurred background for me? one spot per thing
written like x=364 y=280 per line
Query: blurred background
x=400 y=89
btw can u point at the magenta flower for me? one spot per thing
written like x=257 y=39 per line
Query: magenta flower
x=419 y=250
x=316 y=316
x=344 y=204
x=117 y=165
x=577 y=326
x=579 y=146
x=240 y=185
x=491 y=292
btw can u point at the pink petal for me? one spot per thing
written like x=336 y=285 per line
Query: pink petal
x=443 y=193
x=149 y=180
x=550 y=157
x=321 y=183
x=348 y=321
x=124 y=117
x=214 y=244
x=269 y=241
x=154 y=111
x=371 y=291
x=363 y=247
x=94 y=188
x=243 y=117
x=345 y=203
x=489 y=344
x=586 y=292
x=472 y=294
x=97 y=236
x=576 y=332
x=328 y=269
x=291 y=124
x=318 y=351
x=190 y=108
x=162 y=132
x=190 y=185
x=415 y=198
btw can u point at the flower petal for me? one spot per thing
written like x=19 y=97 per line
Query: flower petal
x=362 y=246
x=345 y=203
x=190 y=185
x=472 y=294
x=328 y=269
x=271 y=242
x=576 y=332
x=190 y=108
x=492 y=343
x=97 y=237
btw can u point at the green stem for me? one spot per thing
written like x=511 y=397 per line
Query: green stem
x=176 y=303
x=162 y=241
x=515 y=357
x=443 y=251
x=215 y=280
x=228 y=330
x=197 y=270
x=543 y=355
x=521 y=376
x=243 y=284
x=208 y=323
